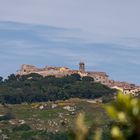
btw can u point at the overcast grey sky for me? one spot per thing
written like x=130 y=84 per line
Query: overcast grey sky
x=104 y=33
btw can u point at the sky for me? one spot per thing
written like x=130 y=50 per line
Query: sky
x=105 y=34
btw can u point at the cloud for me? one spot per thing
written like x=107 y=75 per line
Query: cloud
x=47 y=45
x=102 y=21
x=105 y=34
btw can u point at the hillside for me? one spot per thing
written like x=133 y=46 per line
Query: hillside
x=35 y=88
x=49 y=120
x=45 y=108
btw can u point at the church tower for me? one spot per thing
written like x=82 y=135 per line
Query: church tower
x=82 y=66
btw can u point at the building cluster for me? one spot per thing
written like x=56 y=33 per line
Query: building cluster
x=101 y=77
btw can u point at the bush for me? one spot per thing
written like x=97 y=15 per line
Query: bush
x=22 y=127
x=125 y=113
x=7 y=116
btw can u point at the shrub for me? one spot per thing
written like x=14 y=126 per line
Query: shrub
x=7 y=116
x=22 y=127
x=125 y=113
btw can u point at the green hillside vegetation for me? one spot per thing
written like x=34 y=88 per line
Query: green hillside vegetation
x=29 y=122
x=35 y=88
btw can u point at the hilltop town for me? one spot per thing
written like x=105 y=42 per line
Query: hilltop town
x=101 y=77
x=35 y=106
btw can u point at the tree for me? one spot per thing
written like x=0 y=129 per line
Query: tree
x=1 y=79
x=75 y=77
x=34 y=88
x=87 y=79
x=12 y=77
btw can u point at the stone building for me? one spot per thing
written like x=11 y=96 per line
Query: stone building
x=63 y=71
x=101 y=77
x=54 y=71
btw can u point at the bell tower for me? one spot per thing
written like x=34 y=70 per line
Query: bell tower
x=82 y=66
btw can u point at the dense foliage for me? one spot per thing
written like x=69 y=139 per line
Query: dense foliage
x=35 y=88
x=125 y=114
